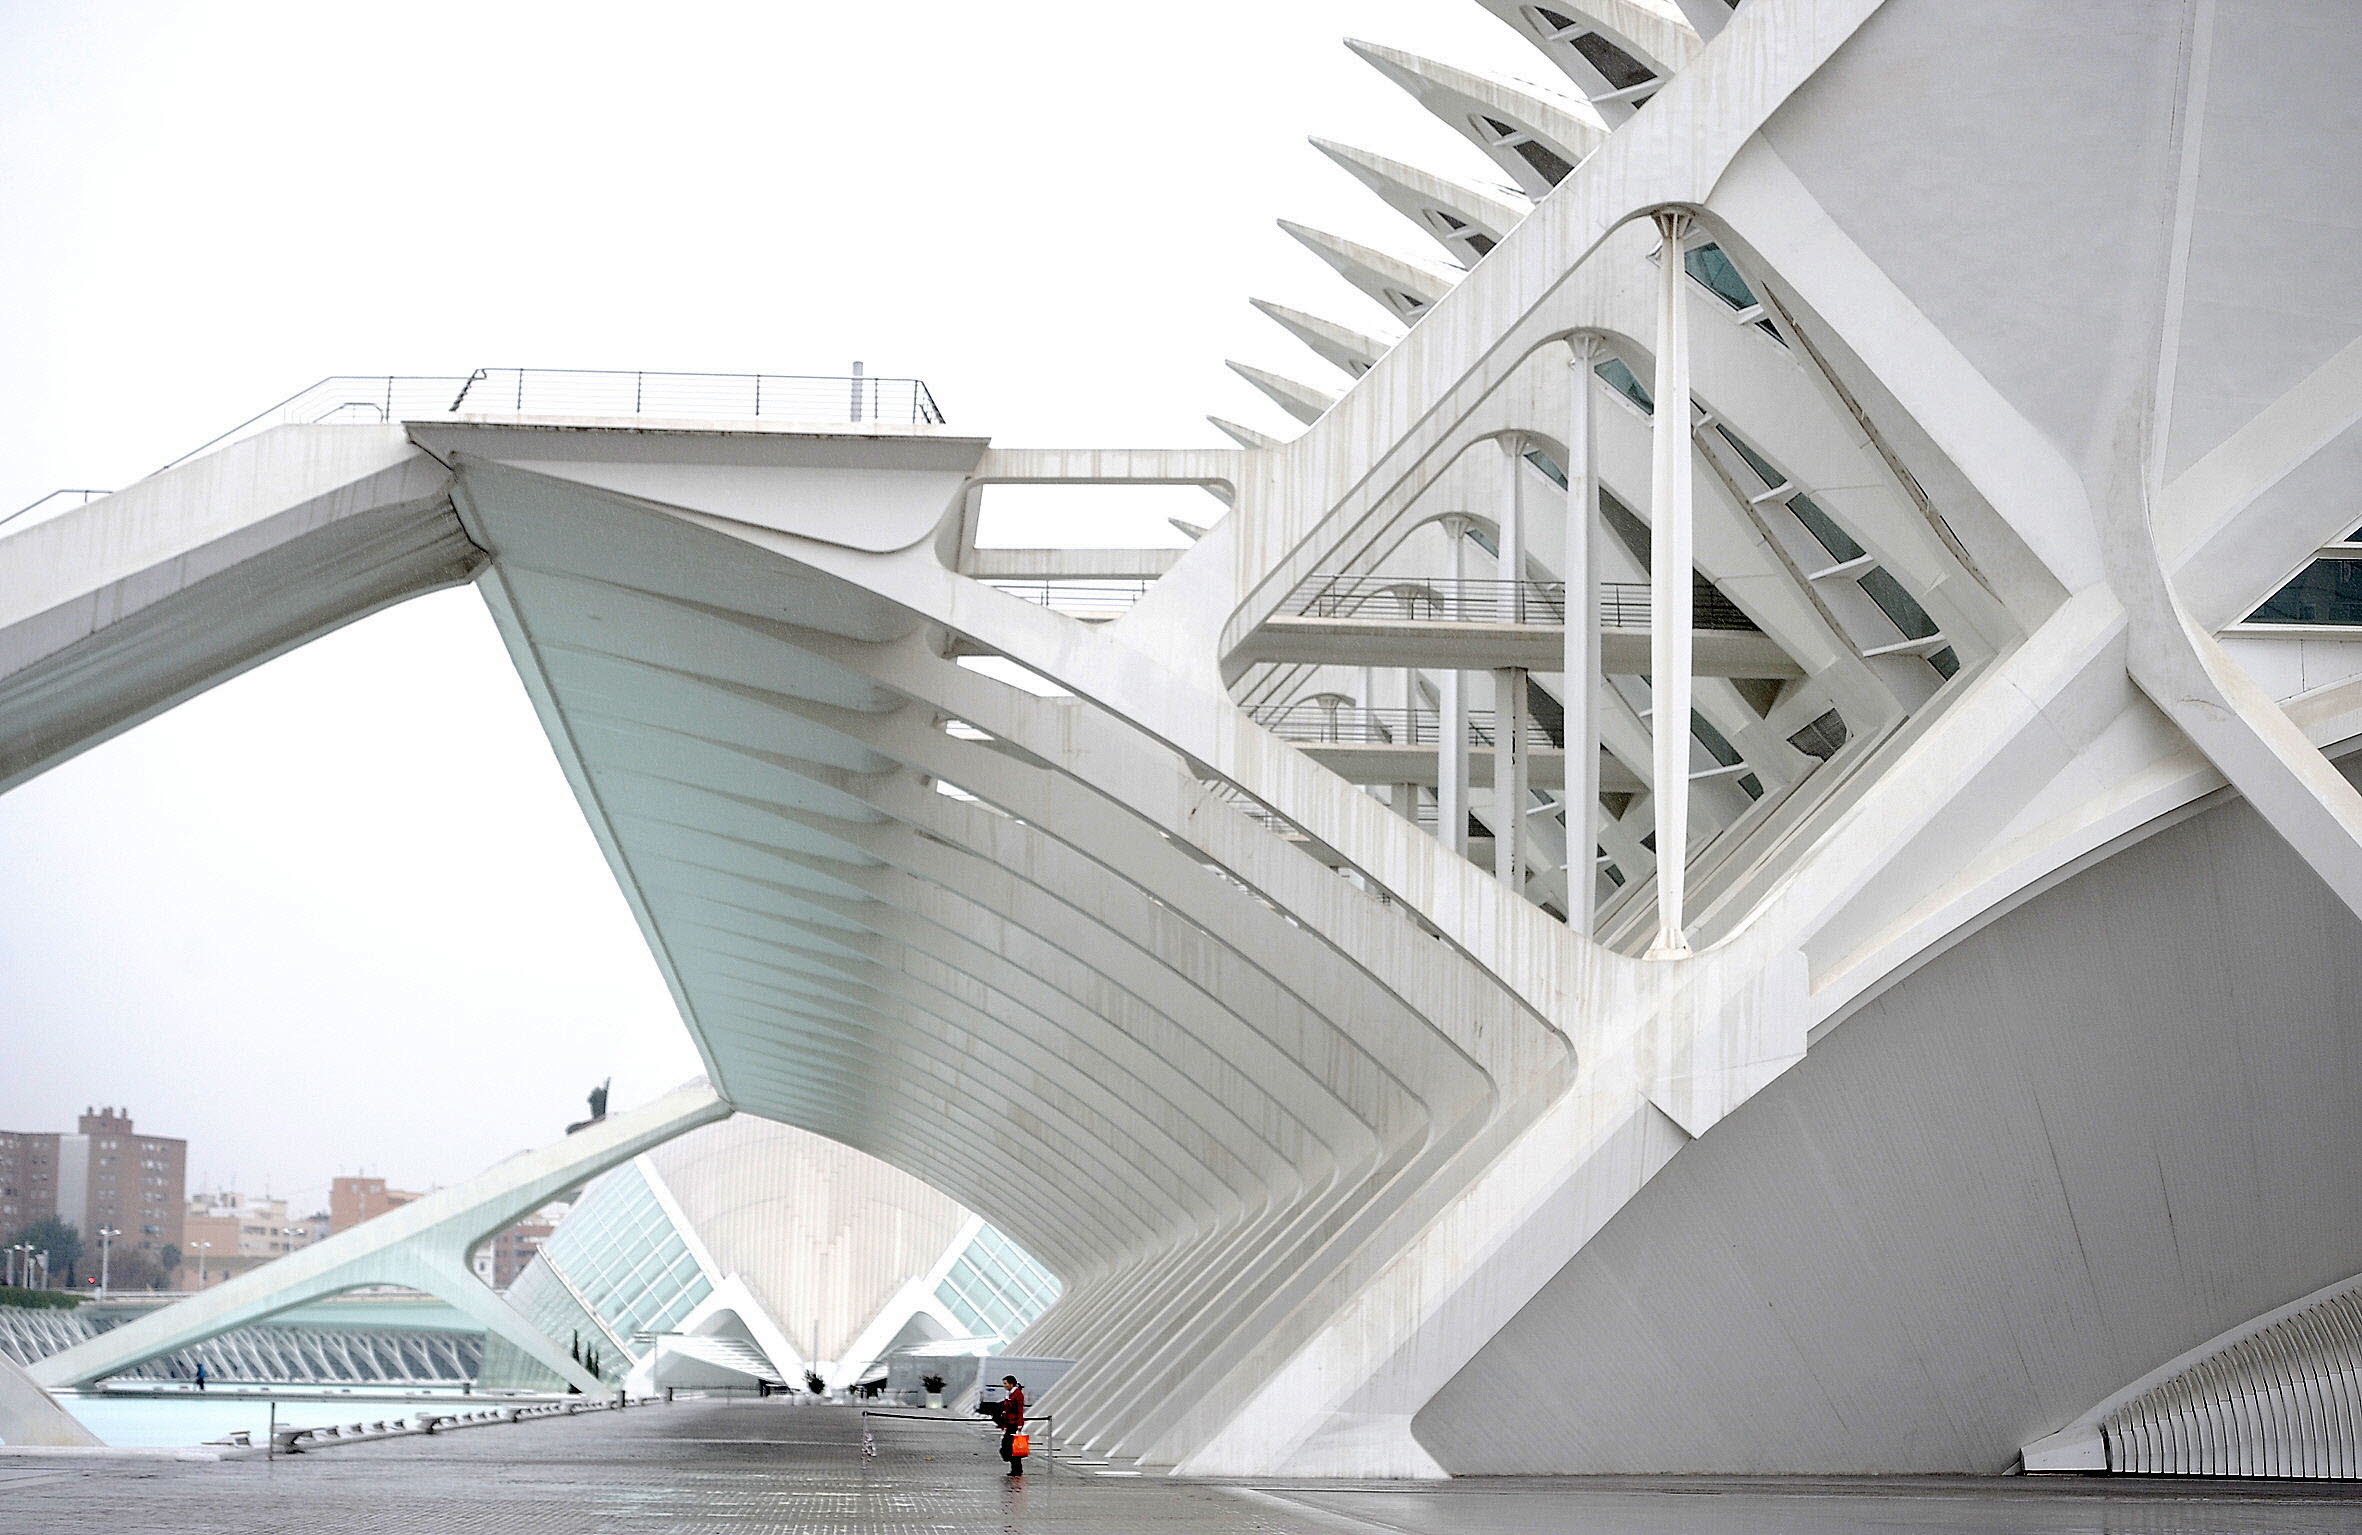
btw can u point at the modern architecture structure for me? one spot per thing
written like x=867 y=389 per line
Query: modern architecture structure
x=328 y=1346
x=752 y=1251
x=1741 y=857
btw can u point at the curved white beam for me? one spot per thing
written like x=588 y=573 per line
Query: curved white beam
x=1351 y=351
x=1617 y=52
x=1245 y=437
x=1466 y=220
x=1302 y=401
x=1404 y=288
x=1537 y=136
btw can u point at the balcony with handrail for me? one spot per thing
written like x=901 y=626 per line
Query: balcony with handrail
x=1089 y=601
x=1471 y=625
x=1622 y=604
x=1398 y=746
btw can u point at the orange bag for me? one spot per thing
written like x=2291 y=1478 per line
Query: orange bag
x=1020 y=1445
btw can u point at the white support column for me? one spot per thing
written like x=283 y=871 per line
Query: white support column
x=1512 y=777
x=1451 y=747
x=1669 y=582
x=1511 y=770
x=1583 y=680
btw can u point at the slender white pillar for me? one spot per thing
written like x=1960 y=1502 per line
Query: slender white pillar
x=1510 y=508
x=1512 y=773
x=1669 y=583
x=1512 y=777
x=1583 y=680
x=1451 y=768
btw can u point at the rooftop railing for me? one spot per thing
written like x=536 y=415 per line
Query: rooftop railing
x=1409 y=599
x=57 y=500
x=813 y=399
x=806 y=399
x=803 y=399
x=1086 y=600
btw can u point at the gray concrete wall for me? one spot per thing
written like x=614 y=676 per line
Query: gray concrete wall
x=2113 y=1124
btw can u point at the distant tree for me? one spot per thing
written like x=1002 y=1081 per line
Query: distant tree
x=169 y=1258
x=814 y=1384
x=58 y=1239
x=135 y=1268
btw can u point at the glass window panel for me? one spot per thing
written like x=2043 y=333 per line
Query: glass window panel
x=1716 y=743
x=1822 y=737
x=1620 y=69
x=1897 y=604
x=1546 y=165
x=2324 y=592
x=1710 y=266
x=1824 y=529
x=1624 y=382
x=1762 y=466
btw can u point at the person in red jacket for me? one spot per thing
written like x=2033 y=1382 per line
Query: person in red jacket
x=1009 y=1411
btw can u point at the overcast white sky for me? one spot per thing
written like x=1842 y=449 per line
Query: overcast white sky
x=342 y=914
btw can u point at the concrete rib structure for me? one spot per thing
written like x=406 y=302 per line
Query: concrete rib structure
x=1902 y=1022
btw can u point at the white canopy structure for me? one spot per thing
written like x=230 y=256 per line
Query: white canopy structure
x=1741 y=858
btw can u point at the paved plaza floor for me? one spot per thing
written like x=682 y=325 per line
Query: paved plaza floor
x=749 y=1468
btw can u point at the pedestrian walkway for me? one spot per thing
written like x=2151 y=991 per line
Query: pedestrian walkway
x=770 y=1467
x=744 y=1467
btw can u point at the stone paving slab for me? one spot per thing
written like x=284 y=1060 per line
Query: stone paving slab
x=698 y=1468
x=772 y=1468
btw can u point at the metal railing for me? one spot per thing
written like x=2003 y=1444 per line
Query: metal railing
x=1315 y=724
x=814 y=399
x=806 y=399
x=1079 y=599
x=1622 y=604
x=347 y=397
x=78 y=497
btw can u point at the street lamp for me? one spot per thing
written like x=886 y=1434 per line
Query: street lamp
x=106 y=1236
x=202 y=1249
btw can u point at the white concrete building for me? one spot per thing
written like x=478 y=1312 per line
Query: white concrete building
x=751 y=1251
x=1806 y=930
